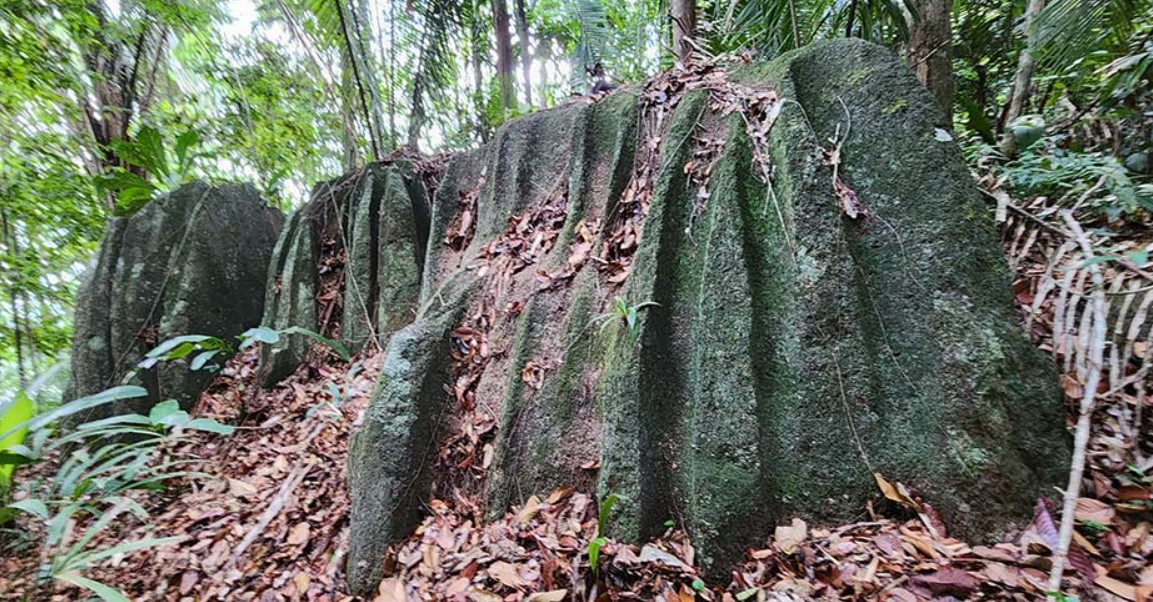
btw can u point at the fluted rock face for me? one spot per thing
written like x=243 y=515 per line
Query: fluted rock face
x=618 y=302
x=369 y=227
x=190 y=262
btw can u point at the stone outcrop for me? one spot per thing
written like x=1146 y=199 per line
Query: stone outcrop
x=618 y=302
x=186 y=263
x=369 y=228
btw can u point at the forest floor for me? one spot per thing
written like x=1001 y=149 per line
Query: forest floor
x=270 y=522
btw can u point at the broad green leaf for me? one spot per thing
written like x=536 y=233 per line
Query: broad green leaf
x=209 y=425
x=105 y=592
x=260 y=334
x=164 y=412
x=13 y=421
x=80 y=405
x=166 y=348
x=32 y=506
x=201 y=359
x=594 y=551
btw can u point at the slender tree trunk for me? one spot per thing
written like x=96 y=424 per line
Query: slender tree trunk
x=476 y=57
x=525 y=50
x=363 y=89
x=17 y=322
x=930 y=52
x=391 y=58
x=852 y=17
x=503 y=53
x=684 y=14
x=542 y=50
x=1024 y=78
x=347 y=113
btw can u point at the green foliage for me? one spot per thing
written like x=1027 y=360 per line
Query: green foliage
x=625 y=313
x=102 y=461
x=262 y=334
x=598 y=542
x=1095 y=179
x=147 y=154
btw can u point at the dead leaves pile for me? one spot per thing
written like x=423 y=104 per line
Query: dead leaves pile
x=463 y=225
x=887 y=560
x=526 y=239
x=536 y=553
x=467 y=451
x=269 y=521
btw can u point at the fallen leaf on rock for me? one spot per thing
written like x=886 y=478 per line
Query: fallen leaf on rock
x=897 y=492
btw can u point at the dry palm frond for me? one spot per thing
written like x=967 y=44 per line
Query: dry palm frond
x=1054 y=288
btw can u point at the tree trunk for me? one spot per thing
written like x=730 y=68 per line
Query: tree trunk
x=525 y=50
x=475 y=31
x=503 y=53
x=359 y=74
x=17 y=322
x=684 y=14
x=1024 y=78
x=930 y=52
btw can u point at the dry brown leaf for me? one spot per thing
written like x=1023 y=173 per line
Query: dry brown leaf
x=1089 y=509
x=787 y=538
x=556 y=595
x=299 y=534
x=1117 y=587
x=240 y=488
x=529 y=511
x=506 y=574
x=391 y=590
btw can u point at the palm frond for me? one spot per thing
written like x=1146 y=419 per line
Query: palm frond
x=1070 y=29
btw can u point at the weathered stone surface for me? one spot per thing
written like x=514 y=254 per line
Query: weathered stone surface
x=188 y=263
x=794 y=351
x=389 y=465
x=377 y=220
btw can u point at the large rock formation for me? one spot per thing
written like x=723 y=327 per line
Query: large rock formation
x=191 y=262
x=618 y=302
x=369 y=228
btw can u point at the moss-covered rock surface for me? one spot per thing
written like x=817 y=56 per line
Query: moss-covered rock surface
x=730 y=298
x=348 y=264
x=185 y=264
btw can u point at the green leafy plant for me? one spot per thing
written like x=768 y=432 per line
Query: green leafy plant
x=598 y=542
x=146 y=157
x=87 y=491
x=203 y=348
x=263 y=334
x=1094 y=179
x=622 y=312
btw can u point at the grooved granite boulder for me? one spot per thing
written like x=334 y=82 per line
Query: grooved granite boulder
x=791 y=340
x=370 y=226
x=190 y=262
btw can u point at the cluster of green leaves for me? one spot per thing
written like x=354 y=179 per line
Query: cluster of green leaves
x=147 y=170
x=100 y=462
x=204 y=348
x=1093 y=179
